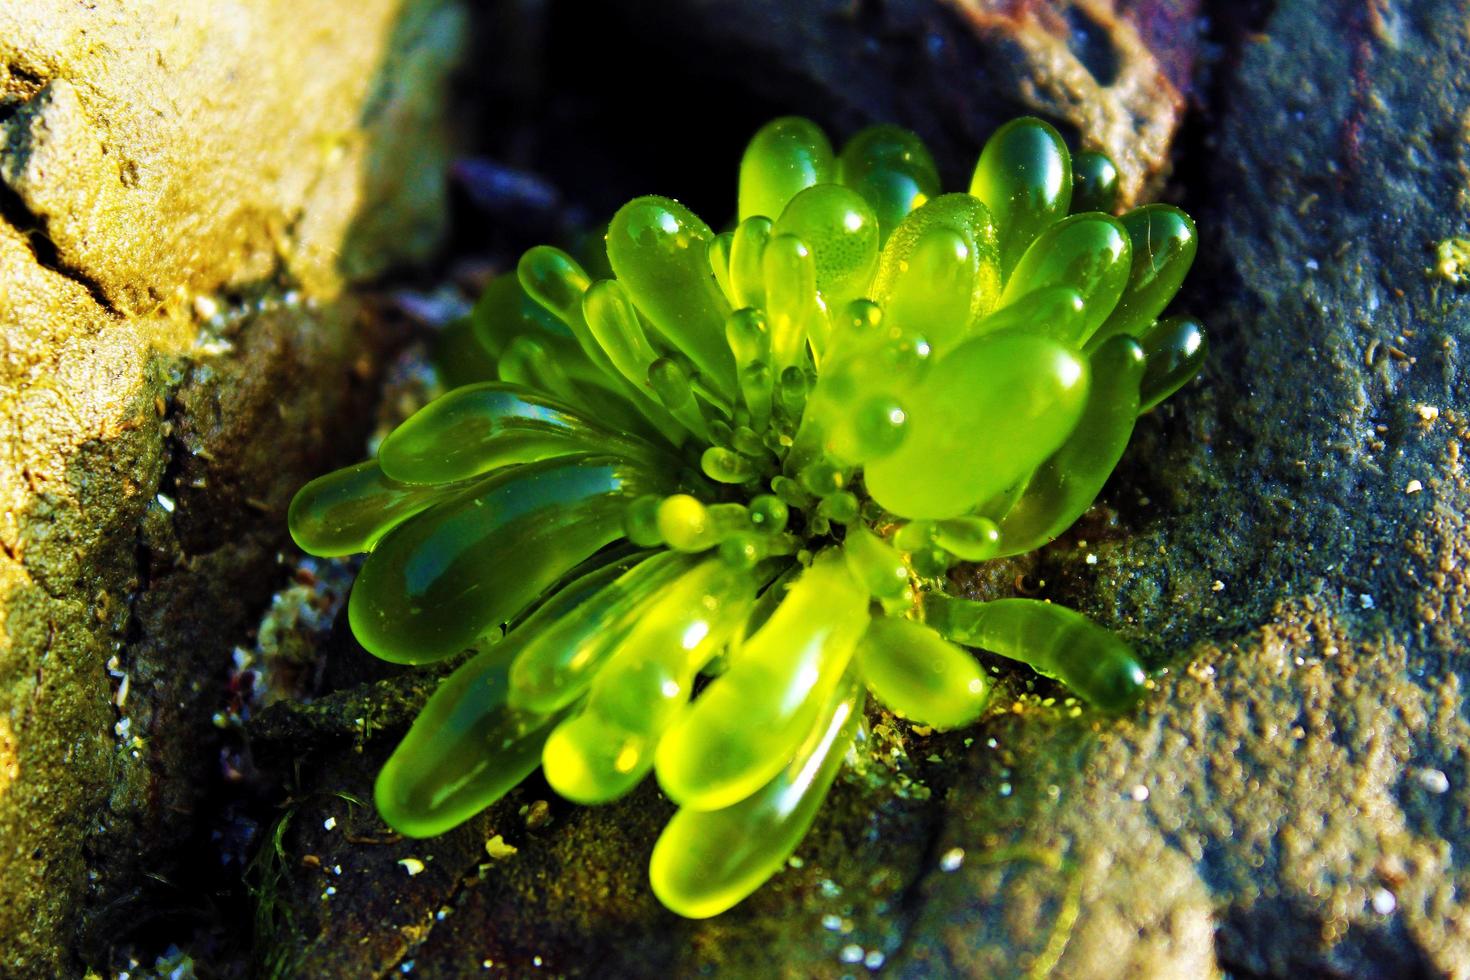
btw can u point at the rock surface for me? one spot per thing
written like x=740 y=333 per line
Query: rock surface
x=1286 y=540
x=1291 y=801
x=1291 y=798
x=184 y=192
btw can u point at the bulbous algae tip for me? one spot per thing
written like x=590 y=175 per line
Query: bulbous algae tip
x=752 y=456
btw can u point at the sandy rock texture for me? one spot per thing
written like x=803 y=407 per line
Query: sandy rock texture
x=185 y=190
x=1291 y=801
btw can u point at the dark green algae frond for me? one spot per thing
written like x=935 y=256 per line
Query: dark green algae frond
x=752 y=456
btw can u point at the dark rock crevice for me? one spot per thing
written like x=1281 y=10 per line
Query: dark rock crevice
x=13 y=210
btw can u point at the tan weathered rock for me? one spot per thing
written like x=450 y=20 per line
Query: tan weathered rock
x=167 y=150
x=163 y=165
x=1087 y=63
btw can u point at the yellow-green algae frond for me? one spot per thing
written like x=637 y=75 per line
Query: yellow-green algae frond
x=707 y=507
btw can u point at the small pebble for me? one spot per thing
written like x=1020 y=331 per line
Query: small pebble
x=330 y=823
x=498 y=849
x=851 y=953
x=1434 y=780
x=538 y=814
x=952 y=859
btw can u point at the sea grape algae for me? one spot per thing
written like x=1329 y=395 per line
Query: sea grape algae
x=707 y=506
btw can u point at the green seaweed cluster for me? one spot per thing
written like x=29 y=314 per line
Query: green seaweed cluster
x=709 y=503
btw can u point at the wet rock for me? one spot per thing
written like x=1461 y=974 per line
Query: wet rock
x=183 y=195
x=1287 y=539
x=1289 y=801
x=535 y=883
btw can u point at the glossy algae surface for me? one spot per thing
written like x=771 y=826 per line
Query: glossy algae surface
x=753 y=456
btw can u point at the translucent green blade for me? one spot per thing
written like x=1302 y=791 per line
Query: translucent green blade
x=986 y=415
x=841 y=230
x=554 y=279
x=657 y=248
x=876 y=564
x=1058 y=312
x=912 y=301
x=1025 y=178
x=1163 y=243
x=348 y=510
x=707 y=861
x=479 y=428
x=558 y=661
x=892 y=169
x=1086 y=252
x=607 y=749
x=613 y=320
x=1176 y=350
x=1063 y=487
x=745 y=726
x=915 y=671
x=785 y=157
x=747 y=261
x=467 y=748
x=1052 y=639
x=505 y=312
x=435 y=584
x=1094 y=183
x=970 y=537
x=791 y=299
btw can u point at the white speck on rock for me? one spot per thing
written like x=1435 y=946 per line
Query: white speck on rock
x=1383 y=902
x=1434 y=780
